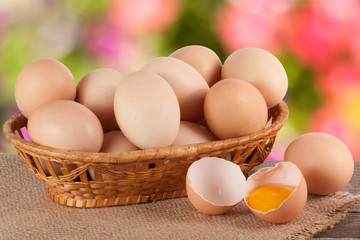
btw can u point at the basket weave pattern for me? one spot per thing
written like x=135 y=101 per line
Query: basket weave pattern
x=137 y=176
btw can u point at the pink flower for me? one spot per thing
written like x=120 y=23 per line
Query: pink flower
x=344 y=14
x=340 y=81
x=307 y=43
x=351 y=109
x=2 y=25
x=142 y=16
x=319 y=33
x=330 y=120
x=251 y=23
x=354 y=46
x=110 y=47
x=336 y=19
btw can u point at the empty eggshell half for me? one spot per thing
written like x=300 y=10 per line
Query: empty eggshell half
x=282 y=174
x=214 y=185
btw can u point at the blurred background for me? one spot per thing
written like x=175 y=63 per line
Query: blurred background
x=318 y=42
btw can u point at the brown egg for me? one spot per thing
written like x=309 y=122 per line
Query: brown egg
x=66 y=125
x=260 y=68
x=96 y=91
x=214 y=185
x=203 y=59
x=190 y=132
x=41 y=81
x=283 y=174
x=115 y=141
x=189 y=86
x=234 y=108
x=147 y=110
x=324 y=160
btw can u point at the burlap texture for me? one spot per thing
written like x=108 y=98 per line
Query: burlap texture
x=26 y=212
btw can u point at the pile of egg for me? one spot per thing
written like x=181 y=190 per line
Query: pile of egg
x=187 y=97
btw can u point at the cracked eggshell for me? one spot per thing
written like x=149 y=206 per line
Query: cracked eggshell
x=214 y=185
x=283 y=174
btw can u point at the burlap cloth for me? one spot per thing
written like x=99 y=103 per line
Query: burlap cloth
x=28 y=213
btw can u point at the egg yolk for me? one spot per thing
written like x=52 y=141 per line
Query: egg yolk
x=268 y=197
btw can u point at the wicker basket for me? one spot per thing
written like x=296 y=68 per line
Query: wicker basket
x=144 y=175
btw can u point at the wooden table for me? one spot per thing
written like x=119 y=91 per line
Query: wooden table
x=350 y=226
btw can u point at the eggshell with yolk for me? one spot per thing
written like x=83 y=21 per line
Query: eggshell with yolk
x=282 y=174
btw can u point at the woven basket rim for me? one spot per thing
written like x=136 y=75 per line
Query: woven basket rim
x=139 y=155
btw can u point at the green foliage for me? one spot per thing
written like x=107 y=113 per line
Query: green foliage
x=79 y=62
x=302 y=96
x=87 y=7
x=15 y=54
x=193 y=27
